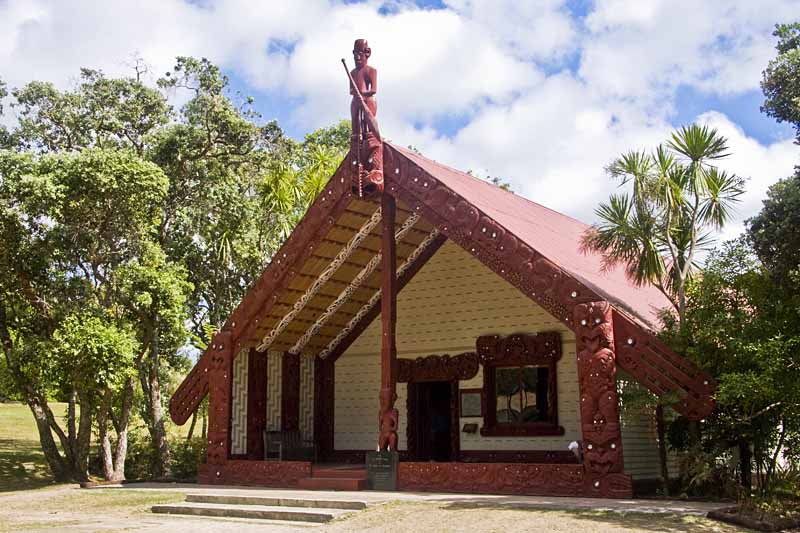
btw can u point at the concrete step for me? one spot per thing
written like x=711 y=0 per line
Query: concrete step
x=332 y=483
x=276 y=502
x=345 y=472
x=260 y=512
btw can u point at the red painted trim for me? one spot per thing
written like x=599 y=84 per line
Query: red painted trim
x=389 y=416
x=220 y=371
x=518 y=456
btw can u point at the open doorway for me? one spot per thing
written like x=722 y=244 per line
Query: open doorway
x=432 y=421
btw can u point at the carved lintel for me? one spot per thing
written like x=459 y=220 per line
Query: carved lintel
x=438 y=368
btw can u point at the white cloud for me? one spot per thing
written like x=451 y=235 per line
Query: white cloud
x=488 y=63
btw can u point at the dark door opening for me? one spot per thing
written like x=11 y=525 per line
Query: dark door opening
x=432 y=420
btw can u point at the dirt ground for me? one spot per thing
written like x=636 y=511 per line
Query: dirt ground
x=68 y=508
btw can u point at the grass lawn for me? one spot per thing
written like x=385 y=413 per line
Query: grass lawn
x=22 y=463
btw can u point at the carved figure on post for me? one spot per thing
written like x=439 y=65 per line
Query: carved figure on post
x=365 y=141
x=389 y=417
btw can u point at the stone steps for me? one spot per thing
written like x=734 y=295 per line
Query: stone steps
x=298 y=510
x=335 y=478
x=276 y=502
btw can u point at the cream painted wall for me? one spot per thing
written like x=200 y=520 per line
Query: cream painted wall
x=449 y=303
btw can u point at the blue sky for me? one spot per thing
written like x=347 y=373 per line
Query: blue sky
x=543 y=93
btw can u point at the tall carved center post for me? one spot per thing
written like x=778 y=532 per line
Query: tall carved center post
x=388 y=416
x=597 y=371
x=220 y=370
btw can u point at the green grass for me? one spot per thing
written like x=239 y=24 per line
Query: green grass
x=22 y=464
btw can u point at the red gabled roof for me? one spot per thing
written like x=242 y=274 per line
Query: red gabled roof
x=552 y=234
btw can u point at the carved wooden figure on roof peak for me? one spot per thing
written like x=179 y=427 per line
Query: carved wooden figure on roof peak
x=366 y=145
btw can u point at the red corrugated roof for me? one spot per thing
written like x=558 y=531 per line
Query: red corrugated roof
x=554 y=235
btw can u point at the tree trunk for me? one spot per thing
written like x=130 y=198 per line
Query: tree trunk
x=61 y=469
x=122 y=431
x=662 y=447
x=106 y=454
x=158 y=432
x=84 y=440
x=745 y=465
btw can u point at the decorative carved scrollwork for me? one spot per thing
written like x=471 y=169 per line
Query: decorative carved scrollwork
x=438 y=368
x=220 y=369
x=598 y=388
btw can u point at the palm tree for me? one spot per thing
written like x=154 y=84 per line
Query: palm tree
x=679 y=197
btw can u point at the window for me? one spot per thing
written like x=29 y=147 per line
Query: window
x=521 y=394
x=519 y=378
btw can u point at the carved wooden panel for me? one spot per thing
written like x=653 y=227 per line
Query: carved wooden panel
x=438 y=368
x=219 y=410
x=493 y=478
x=597 y=370
x=282 y=474
x=659 y=369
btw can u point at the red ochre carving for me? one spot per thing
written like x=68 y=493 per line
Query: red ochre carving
x=220 y=366
x=602 y=440
x=366 y=143
x=438 y=368
x=258 y=473
x=493 y=478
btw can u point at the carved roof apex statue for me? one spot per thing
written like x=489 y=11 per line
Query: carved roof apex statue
x=366 y=145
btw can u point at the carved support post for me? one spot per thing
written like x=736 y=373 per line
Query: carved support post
x=220 y=372
x=388 y=417
x=290 y=392
x=597 y=370
x=256 y=403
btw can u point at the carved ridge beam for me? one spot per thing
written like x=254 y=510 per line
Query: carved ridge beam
x=369 y=311
x=348 y=292
x=328 y=273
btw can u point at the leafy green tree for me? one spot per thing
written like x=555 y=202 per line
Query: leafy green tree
x=775 y=232
x=743 y=328
x=69 y=222
x=781 y=79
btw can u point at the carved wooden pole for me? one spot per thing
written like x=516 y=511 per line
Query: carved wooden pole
x=597 y=371
x=219 y=404
x=388 y=417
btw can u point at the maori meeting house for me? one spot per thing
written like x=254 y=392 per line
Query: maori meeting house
x=424 y=330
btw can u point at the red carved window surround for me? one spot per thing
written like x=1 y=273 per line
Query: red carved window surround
x=531 y=354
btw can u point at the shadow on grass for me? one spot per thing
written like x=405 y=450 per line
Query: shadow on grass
x=22 y=466
x=634 y=520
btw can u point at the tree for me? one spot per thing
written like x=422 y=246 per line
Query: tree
x=743 y=328
x=678 y=195
x=69 y=222
x=781 y=79
x=656 y=230
x=775 y=232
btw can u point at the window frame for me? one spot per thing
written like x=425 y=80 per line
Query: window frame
x=518 y=350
